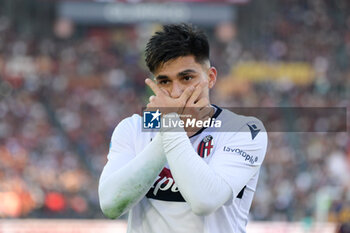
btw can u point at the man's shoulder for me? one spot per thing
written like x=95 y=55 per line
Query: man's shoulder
x=133 y=120
x=128 y=125
x=234 y=122
x=245 y=135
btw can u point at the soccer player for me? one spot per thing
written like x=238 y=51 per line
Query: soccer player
x=180 y=179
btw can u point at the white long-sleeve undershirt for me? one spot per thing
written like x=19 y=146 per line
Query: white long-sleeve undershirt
x=121 y=187
x=203 y=189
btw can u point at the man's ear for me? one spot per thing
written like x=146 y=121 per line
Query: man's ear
x=212 y=72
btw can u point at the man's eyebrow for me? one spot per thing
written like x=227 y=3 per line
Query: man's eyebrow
x=180 y=74
x=186 y=72
x=160 y=77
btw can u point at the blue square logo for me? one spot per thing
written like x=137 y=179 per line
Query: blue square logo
x=151 y=119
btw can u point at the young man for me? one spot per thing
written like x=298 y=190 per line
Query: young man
x=183 y=179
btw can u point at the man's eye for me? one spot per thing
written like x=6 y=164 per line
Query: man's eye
x=188 y=78
x=163 y=82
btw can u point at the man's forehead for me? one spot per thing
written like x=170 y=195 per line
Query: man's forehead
x=181 y=64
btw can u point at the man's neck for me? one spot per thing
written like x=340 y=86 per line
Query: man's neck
x=193 y=130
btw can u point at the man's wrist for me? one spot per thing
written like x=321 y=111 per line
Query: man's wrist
x=173 y=123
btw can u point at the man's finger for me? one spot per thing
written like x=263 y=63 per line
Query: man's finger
x=154 y=87
x=203 y=102
x=194 y=97
x=164 y=91
x=151 y=98
x=197 y=92
x=186 y=94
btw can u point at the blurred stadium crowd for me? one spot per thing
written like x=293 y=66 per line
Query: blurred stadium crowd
x=61 y=99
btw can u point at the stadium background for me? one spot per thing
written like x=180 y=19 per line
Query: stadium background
x=67 y=77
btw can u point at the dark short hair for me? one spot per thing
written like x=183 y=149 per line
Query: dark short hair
x=176 y=40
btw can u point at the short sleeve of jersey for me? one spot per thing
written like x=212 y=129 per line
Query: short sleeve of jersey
x=239 y=155
x=122 y=141
x=122 y=147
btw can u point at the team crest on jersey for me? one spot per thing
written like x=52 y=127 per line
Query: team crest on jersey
x=205 y=146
